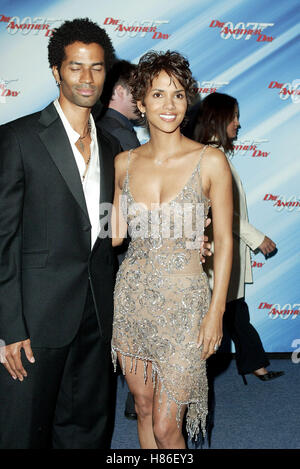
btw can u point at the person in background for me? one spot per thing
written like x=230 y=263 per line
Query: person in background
x=217 y=124
x=117 y=118
x=119 y=111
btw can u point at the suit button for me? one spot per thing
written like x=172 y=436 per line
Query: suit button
x=86 y=228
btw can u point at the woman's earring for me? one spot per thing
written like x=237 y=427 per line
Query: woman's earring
x=143 y=114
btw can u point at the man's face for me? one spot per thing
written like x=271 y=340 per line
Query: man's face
x=82 y=74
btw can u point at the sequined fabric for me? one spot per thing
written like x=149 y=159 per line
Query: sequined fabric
x=161 y=295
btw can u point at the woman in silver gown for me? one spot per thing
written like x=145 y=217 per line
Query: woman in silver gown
x=165 y=323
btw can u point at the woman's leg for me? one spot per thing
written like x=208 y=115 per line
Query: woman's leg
x=167 y=432
x=143 y=398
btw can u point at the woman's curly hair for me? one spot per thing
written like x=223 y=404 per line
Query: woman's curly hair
x=82 y=30
x=149 y=67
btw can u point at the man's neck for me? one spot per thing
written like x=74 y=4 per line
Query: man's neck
x=115 y=107
x=77 y=116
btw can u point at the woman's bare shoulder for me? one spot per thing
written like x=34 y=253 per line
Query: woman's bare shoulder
x=192 y=145
x=121 y=159
x=215 y=164
x=211 y=154
x=214 y=156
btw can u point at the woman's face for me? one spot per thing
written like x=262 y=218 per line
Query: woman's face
x=165 y=103
x=233 y=126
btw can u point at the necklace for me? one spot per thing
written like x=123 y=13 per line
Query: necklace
x=81 y=144
x=160 y=162
x=86 y=167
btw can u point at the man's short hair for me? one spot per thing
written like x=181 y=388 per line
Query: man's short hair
x=82 y=30
x=119 y=74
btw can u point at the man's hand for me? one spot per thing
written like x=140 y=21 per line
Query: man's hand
x=267 y=246
x=11 y=358
x=205 y=250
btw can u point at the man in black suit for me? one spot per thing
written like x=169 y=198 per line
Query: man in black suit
x=56 y=260
x=119 y=107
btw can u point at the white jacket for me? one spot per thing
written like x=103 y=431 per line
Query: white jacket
x=245 y=237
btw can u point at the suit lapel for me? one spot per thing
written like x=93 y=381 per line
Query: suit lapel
x=55 y=139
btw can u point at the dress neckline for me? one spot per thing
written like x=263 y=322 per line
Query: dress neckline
x=162 y=204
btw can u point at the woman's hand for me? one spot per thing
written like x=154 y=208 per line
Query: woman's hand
x=210 y=335
x=206 y=245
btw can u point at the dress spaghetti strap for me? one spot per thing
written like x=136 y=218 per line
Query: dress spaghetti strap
x=203 y=196
x=202 y=153
x=128 y=162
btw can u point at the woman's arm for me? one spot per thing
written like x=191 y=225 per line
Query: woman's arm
x=216 y=176
x=118 y=223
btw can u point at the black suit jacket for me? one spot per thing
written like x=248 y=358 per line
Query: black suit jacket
x=46 y=262
x=120 y=127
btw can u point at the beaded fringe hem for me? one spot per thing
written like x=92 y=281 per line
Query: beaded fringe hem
x=196 y=411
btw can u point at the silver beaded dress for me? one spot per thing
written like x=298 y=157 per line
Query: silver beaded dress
x=162 y=294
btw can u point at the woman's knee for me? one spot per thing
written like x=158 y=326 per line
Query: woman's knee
x=165 y=430
x=143 y=405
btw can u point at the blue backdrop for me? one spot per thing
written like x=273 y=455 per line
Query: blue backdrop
x=246 y=48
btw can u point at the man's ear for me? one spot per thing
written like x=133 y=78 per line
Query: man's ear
x=56 y=74
x=120 y=91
